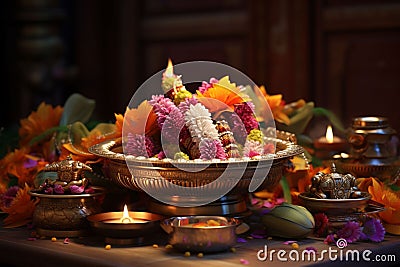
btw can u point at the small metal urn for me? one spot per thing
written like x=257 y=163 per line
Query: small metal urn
x=370 y=138
x=373 y=150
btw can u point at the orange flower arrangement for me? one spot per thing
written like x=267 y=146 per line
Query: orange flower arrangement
x=40 y=136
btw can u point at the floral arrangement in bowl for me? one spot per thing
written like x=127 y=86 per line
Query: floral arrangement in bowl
x=216 y=122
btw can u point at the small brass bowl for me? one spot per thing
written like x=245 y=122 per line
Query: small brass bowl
x=336 y=207
x=185 y=237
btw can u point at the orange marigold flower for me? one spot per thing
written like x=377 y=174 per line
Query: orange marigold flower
x=389 y=198
x=21 y=210
x=39 y=121
x=276 y=104
x=222 y=96
x=21 y=165
x=9 y=164
x=119 y=123
x=139 y=119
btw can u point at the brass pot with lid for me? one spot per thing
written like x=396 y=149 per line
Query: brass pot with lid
x=371 y=138
x=373 y=150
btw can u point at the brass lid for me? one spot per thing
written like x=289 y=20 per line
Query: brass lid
x=370 y=122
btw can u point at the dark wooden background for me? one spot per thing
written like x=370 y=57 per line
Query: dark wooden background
x=342 y=54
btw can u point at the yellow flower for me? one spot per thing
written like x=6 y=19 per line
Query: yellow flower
x=21 y=210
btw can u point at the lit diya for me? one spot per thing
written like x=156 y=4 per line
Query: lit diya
x=328 y=145
x=125 y=228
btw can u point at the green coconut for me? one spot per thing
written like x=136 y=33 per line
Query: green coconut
x=289 y=221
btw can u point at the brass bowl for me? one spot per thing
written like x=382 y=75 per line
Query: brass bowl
x=157 y=174
x=184 y=237
x=65 y=215
x=336 y=207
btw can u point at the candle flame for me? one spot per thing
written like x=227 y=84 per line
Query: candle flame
x=125 y=216
x=169 y=72
x=329 y=134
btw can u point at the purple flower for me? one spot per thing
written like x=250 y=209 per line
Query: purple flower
x=321 y=224
x=205 y=85
x=238 y=129
x=139 y=145
x=8 y=197
x=76 y=189
x=207 y=149
x=245 y=111
x=241 y=240
x=30 y=163
x=162 y=107
x=220 y=152
x=351 y=232
x=173 y=124
x=89 y=190
x=259 y=234
x=48 y=190
x=185 y=105
x=161 y=155
x=58 y=189
x=373 y=230
x=330 y=239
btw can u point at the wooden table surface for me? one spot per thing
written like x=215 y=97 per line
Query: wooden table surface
x=17 y=250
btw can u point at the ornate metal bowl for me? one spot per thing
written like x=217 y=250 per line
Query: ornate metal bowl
x=160 y=174
x=335 y=206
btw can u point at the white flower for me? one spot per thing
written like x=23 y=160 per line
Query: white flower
x=199 y=122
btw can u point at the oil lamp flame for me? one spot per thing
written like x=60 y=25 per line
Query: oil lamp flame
x=169 y=72
x=125 y=216
x=329 y=134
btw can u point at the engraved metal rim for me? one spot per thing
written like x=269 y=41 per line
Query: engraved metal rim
x=322 y=203
x=104 y=150
x=98 y=192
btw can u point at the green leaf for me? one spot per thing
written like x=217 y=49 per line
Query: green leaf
x=286 y=189
x=77 y=108
x=299 y=120
x=394 y=187
x=336 y=122
x=77 y=131
x=47 y=133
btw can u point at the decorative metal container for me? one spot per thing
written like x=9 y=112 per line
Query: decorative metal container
x=185 y=236
x=154 y=174
x=370 y=138
x=372 y=152
x=337 y=196
x=65 y=215
x=146 y=169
